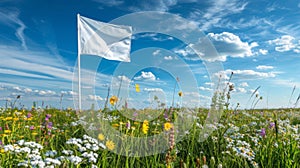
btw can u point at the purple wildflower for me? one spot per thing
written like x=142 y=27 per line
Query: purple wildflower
x=128 y=125
x=48 y=116
x=263 y=132
x=31 y=127
x=166 y=116
x=272 y=125
x=49 y=125
x=29 y=115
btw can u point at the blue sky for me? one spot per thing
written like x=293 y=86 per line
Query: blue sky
x=257 y=40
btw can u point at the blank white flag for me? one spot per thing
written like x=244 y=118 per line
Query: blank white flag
x=109 y=41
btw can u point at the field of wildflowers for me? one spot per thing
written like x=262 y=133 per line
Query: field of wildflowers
x=242 y=138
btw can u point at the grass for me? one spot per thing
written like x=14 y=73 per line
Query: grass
x=241 y=138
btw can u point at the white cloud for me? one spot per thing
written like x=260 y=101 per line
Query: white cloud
x=217 y=11
x=17 y=88
x=146 y=76
x=244 y=84
x=138 y=5
x=187 y=53
x=156 y=52
x=229 y=44
x=264 y=67
x=27 y=90
x=241 y=90
x=68 y=93
x=11 y=18
x=124 y=79
x=94 y=97
x=110 y=2
x=168 y=58
x=205 y=89
x=285 y=43
x=247 y=74
x=252 y=91
x=153 y=90
x=209 y=84
x=184 y=52
x=34 y=69
x=46 y=93
x=254 y=44
x=205 y=97
x=263 y=51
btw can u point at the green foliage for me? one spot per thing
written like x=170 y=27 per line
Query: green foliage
x=237 y=139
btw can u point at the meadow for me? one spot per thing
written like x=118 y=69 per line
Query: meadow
x=164 y=137
x=42 y=137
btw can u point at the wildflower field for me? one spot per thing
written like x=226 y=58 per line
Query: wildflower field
x=241 y=138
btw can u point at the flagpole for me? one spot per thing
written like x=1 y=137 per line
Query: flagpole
x=78 y=56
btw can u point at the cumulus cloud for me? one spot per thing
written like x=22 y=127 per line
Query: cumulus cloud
x=244 y=84
x=46 y=93
x=187 y=53
x=247 y=74
x=27 y=90
x=241 y=90
x=17 y=88
x=251 y=91
x=146 y=76
x=124 y=78
x=94 y=97
x=205 y=88
x=68 y=93
x=263 y=51
x=168 y=57
x=184 y=52
x=153 y=90
x=209 y=84
x=229 y=44
x=285 y=43
x=264 y=67
x=156 y=52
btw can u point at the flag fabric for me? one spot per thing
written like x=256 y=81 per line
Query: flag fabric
x=137 y=88
x=112 y=42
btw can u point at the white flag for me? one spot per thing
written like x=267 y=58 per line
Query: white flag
x=109 y=41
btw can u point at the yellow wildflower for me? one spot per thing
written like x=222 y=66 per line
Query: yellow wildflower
x=116 y=125
x=113 y=100
x=101 y=137
x=2 y=150
x=8 y=118
x=167 y=126
x=137 y=88
x=7 y=131
x=110 y=145
x=34 y=133
x=145 y=127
